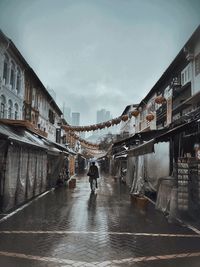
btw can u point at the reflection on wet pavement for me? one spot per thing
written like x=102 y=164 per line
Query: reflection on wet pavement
x=76 y=228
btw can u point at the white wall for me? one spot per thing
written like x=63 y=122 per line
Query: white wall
x=6 y=90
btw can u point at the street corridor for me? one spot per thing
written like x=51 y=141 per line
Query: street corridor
x=71 y=227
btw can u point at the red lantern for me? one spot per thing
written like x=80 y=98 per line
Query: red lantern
x=125 y=117
x=135 y=113
x=149 y=117
x=113 y=121
x=160 y=99
x=101 y=126
x=118 y=120
x=108 y=124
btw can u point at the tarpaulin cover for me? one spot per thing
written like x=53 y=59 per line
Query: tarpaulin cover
x=156 y=165
x=131 y=161
x=20 y=135
x=138 y=181
x=150 y=167
x=164 y=197
x=55 y=165
x=25 y=175
x=3 y=150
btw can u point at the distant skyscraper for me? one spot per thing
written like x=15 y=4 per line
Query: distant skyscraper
x=67 y=113
x=75 y=118
x=107 y=116
x=103 y=115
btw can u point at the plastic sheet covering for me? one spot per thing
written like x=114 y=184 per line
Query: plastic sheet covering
x=12 y=172
x=25 y=175
x=31 y=173
x=55 y=164
x=44 y=172
x=138 y=181
x=3 y=149
x=131 y=161
x=156 y=166
x=23 y=171
x=164 y=195
x=38 y=176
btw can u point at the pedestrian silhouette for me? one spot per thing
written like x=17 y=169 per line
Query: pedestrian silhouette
x=93 y=174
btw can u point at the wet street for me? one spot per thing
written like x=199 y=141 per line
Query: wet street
x=71 y=227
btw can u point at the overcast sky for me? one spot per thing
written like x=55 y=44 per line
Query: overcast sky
x=99 y=53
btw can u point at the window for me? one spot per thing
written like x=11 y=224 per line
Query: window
x=12 y=75
x=186 y=75
x=5 y=69
x=2 y=110
x=2 y=107
x=10 y=106
x=51 y=116
x=16 y=111
x=197 y=64
x=18 y=85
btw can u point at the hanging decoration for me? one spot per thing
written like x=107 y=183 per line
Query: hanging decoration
x=135 y=113
x=83 y=142
x=108 y=124
x=102 y=125
x=160 y=99
x=149 y=117
x=124 y=117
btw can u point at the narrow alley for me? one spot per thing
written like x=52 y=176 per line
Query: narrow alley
x=71 y=227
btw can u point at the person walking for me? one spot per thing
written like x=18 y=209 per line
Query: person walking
x=93 y=174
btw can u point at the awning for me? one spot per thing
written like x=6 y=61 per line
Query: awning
x=141 y=136
x=176 y=130
x=20 y=135
x=142 y=149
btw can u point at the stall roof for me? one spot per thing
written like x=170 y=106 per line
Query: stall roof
x=61 y=147
x=145 y=136
x=145 y=148
x=166 y=136
x=23 y=136
x=20 y=135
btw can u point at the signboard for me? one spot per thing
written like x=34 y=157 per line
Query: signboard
x=169 y=110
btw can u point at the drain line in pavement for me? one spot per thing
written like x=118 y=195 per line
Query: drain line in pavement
x=24 y=206
x=100 y=233
x=129 y=260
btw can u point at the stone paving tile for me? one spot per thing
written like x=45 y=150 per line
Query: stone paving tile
x=107 y=212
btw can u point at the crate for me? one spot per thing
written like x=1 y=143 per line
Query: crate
x=139 y=201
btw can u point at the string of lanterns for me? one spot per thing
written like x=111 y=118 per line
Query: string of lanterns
x=102 y=125
x=149 y=117
x=83 y=142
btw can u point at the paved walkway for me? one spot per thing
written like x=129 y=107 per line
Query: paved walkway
x=74 y=228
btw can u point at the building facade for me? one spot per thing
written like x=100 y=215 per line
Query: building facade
x=177 y=91
x=40 y=108
x=12 y=67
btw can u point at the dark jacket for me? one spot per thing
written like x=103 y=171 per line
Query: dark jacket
x=93 y=172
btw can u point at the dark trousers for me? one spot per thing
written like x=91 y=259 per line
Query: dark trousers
x=92 y=181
